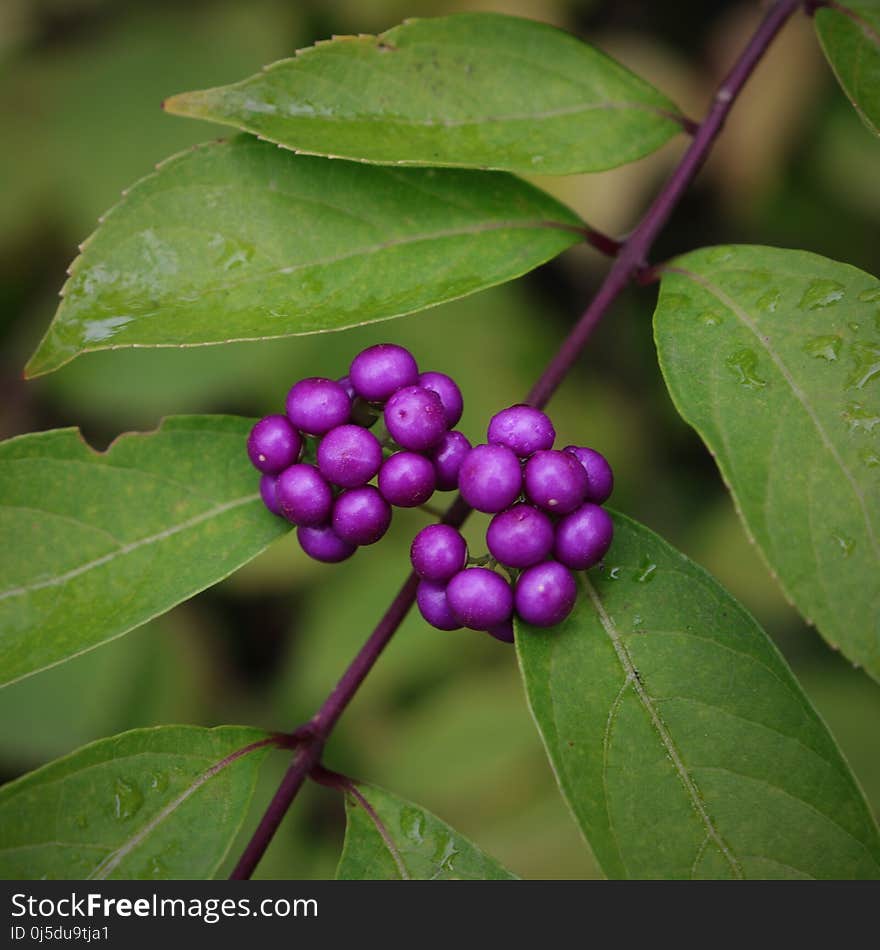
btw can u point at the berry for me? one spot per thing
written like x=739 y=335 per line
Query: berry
x=479 y=598
x=349 y=456
x=438 y=552
x=345 y=383
x=523 y=429
x=545 y=594
x=503 y=632
x=267 y=493
x=490 y=478
x=316 y=405
x=431 y=598
x=520 y=536
x=600 y=478
x=449 y=393
x=583 y=537
x=447 y=457
x=414 y=418
x=273 y=444
x=361 y=515
x=303 y=496
x=555 y=481
x=407 y=480
x=379 y=371
x=323 y=544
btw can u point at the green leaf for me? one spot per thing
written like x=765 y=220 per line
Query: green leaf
x=93 y=544
x=681 y=740
x=244 y=241
x=850 y=36
x=151 y=803
x=471 y=90
x=387 y=838
x=774 y=357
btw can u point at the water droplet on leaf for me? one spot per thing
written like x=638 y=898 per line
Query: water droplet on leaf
x=647 y=570
x=869 y=296
x=711 y=318
x=744 y=366
x=127 y=799
x=845 y=543
x=867 y=357
x=820 y=293
x=824 y=347
x=858 y=418
x=412 y=824
x=769 y=301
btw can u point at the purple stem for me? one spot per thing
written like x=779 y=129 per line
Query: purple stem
x=630 y=260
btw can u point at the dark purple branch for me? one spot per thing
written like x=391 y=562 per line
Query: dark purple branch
x=630 y=261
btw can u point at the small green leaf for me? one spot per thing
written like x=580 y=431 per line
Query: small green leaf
x=152 y=803
x=471 y=90
x=387 y=838
x=773 y=356
x=244 y=241
x=93 y=544
x=681 y=740
x=850 y=35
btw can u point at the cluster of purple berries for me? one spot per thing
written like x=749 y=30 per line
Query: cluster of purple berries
x=548 y=521
x=319 y=458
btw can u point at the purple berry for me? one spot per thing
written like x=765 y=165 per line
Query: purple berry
x=303 y=496
x=345 y=383
x=438 y=552
x=406 y=479
x=379 y=371
x=545 y=594
x=555 y=481
x=600 y=478
x=447 y=457
x=480 y=598
x=267 y=493
x=523 y=429
x=490 y=478
x=431 y=598
x=449 y=393
x=349 y=456
x=520 y=536
x=273 y=444
x=323 y=544
x=503 y=632
x=414 y=418
x=317 y=405
x=583 y=537
x=361 y=515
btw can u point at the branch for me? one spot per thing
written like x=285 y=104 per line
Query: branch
x=630 y=260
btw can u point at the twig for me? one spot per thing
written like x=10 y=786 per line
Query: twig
x=630 y=261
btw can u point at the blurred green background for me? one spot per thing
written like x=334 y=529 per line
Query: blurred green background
x=442 y=720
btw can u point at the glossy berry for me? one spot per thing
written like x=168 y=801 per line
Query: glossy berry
x=316 y=405
x=431 y=598
x=273 y=444
x=303 y=495
x=520 y=536
x=447 y=457
x=449 y=393
x=555 y=481
x=545 y=594
x=438 y=552
x=267 y=493
x=361 y=515
x=323 y=544
x=583 y=537
x=479 y=598
x=414 y=418
x=349 y=456
x=600 y=478
x=503 y=632
x=379 y=371
x=406 y=479
x=523 y=429
x=345 y=383
x=490 y=478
